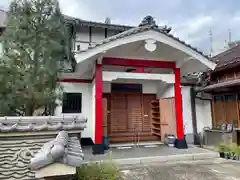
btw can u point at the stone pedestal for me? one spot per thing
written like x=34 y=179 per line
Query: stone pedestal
x=56 y=171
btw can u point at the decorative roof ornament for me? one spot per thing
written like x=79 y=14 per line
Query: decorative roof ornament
x=62 y=149
x=148 y=20
x=107 y=20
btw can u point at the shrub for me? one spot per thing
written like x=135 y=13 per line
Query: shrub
x=99 y=171
x=222 y=148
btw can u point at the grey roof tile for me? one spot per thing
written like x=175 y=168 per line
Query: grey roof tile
x=82 y=22
x=62 y=149
x=139 y=29
x=41 y=123
x=18 y=146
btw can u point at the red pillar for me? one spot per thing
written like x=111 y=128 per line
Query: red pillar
x=98 y=147
x=180 y=142
x=98 y=104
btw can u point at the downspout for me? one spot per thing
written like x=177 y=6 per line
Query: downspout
x=196 y=138
x=197 y=135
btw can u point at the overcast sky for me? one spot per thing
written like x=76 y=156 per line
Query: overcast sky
x=191 y=20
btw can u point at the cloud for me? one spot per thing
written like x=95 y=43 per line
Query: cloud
x=190 y=20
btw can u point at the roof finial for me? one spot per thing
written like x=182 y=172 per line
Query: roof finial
x=107 y=20
x=148 y=20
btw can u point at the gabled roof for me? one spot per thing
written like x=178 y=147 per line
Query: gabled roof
x=227 y=59
x=162 y=29
x=144 y=32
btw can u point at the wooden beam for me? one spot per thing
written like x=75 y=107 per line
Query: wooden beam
x=138 y=63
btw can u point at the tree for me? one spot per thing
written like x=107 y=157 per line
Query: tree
x=34 y=53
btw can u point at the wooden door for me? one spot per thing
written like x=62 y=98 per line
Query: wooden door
x=134 y=112
x=219 y=110
x=118 y=113
x=167 y=117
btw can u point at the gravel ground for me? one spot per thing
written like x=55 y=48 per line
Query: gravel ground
x=184 y=171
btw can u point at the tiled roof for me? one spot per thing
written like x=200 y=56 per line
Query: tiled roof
x=41 y=123
x=139 y=29
x=82 y=22
x=63 y=149
x=216 y=86
x=17 y=148
x=228 y=58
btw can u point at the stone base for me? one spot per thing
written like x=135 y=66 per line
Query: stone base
x=97 y=149
x=55 y=171
x=86 y=142
x=181 y=144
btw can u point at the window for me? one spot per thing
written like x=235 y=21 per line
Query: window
x=72 y=103
x=78 y=47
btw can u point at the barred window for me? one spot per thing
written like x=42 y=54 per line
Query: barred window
x=72 y=103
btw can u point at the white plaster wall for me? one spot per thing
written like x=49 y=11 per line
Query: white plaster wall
x=111 y=33
x=98 y=34
x=169 y=92
x=87 y=104
x=187 y=112
x=82 y=34
x=204 y=114
x=83 y=45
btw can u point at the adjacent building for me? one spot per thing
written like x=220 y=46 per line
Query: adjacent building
x=224 y=83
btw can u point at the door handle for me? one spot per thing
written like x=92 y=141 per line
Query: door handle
x=145 y=115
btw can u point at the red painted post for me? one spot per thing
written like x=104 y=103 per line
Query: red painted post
x=98 y=105
x=178 y=105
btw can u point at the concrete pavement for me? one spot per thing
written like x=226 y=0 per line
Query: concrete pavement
x=214 y=169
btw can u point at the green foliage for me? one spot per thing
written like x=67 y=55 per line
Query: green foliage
x=223 y=147
x=99 y=171
x=234 y=149
x=34 y=52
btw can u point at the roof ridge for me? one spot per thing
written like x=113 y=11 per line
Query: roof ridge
x=145 y=27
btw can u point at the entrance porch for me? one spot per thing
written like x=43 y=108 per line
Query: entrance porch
x=136 y=155
x=145 y=53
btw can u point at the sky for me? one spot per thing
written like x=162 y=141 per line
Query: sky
x=191 y=20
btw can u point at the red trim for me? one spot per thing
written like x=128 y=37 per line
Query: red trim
x=139 y=70
x=75 y=80
x=138 y=63
x=98 y=104
x=178 y=104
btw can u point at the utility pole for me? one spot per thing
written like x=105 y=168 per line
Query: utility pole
x=211 y=42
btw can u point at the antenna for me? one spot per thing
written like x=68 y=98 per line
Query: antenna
x=211 y=42
x=229 y=36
